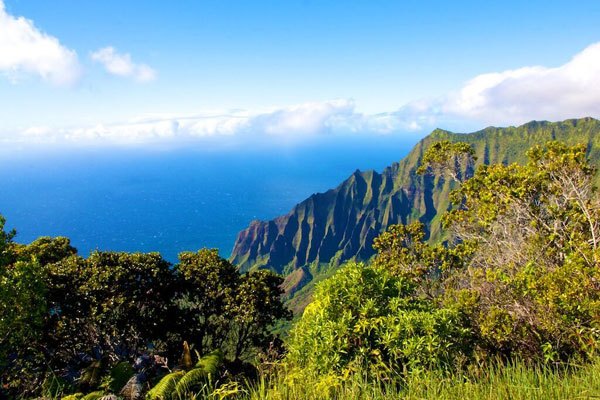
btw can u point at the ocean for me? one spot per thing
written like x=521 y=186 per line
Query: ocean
x=172 y=200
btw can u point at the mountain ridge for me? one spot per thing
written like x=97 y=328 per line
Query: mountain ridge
x=341 y=223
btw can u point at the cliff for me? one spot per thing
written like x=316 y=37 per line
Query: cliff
x=340 y=224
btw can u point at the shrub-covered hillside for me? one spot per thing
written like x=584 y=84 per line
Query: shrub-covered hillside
x=508 y=308
x=329 y=228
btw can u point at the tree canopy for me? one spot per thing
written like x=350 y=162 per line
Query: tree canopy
x=71 y=323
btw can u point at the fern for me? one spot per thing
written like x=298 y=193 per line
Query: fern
x=181 y=383
x=207 y=367
x=211 y=362
x=164 y=389
x=194 y=378
x=93 y=395
x=74 y=396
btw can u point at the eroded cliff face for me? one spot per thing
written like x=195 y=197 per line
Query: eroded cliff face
x=341 y=223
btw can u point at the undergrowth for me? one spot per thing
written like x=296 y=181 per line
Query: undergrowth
x=514 y=381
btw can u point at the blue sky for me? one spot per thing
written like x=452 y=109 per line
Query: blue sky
x=137 y=72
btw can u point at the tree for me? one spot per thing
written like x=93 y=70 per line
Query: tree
x=108 y=308
x=23 y=308
x=5 y=243
x=220 y=309
x=532 y=278
x=45 y=250
x=22 y=311
x=90 y=322
x=257 y=307
x=123 y=301
x=519 y=277
x=207 y=294
x=446 y=158
x=130 y=296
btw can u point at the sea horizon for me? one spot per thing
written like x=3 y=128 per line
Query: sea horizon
x=177 y=199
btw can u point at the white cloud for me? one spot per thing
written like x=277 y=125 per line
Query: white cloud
x=511 y=97
x=281 y=124
x=297 y=121
x=122 y=65
x=531 y=93
x=503 y=98
x=24 y=49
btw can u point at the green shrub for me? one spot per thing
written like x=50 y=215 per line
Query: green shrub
x=533 y=269
x=364 y=315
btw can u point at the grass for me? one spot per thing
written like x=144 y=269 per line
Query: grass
x=516 y=381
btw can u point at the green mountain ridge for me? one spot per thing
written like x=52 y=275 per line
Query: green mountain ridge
x=340 y=224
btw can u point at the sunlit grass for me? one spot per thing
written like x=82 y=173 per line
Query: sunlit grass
x=515 y=381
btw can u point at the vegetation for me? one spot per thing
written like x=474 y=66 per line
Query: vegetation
x=520 y=278
x=517 y=380
x=341 y=224
x=508 y=306
x=517 y=280
x=116 y=322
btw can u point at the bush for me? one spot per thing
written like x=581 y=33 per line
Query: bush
x=365 y=316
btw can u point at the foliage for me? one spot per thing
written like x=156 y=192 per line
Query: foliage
x=129 y=299
x=520 y=277
x=220 y=309
x=46 y=250
x=532 y=275
x=165 y=388
x=93 y=395
x=340 y=224
x=22 y=311
x=182 y=384
x=403 y=251
x=447 y=158
x=256 y=308
x=207 y=289
x=119 y=376
x=366 y=316
x=5 y=243
x=203 y=375
x=518 y=380
x=74 y=396
x=106 y=309
x=90 y=320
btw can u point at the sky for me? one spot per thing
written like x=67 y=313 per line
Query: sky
x=137 y=73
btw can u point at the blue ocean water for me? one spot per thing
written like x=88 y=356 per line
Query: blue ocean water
x=172 y=200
